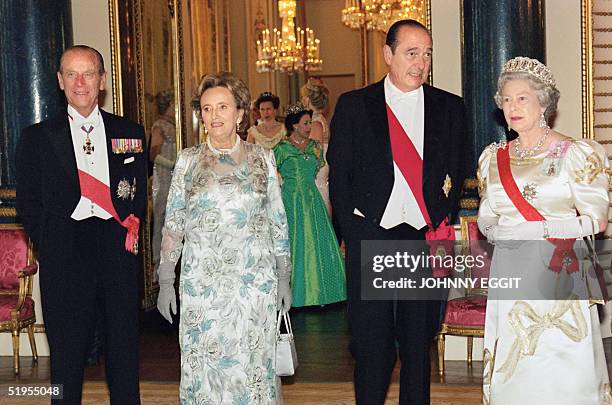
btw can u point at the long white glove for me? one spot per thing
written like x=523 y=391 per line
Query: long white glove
x=162 y=161
x=575 y=227
x=489 y=226
x=283 y=297
x=166 y=300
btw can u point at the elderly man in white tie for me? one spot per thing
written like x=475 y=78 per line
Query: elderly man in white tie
x=81 y=192
x=397 y=155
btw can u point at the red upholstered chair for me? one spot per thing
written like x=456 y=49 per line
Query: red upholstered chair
x=17 y=268
x=465 y=316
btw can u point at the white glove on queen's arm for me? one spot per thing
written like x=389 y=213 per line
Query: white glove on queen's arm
x=283 y=297
x=569 y=228
x=166 y=300
x=165 y=162
x=487 y=226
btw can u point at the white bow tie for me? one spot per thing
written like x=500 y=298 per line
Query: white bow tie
x=398 y=97
x=91 y=121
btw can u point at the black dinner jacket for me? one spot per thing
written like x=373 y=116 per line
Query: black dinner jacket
x=47 y=180
x=361 y=163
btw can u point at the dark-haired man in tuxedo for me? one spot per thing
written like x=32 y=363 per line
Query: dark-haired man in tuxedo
x=396 y=156
x=81 y=192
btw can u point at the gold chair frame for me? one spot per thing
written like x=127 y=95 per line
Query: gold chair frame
x=15 y=325
x=469 y=332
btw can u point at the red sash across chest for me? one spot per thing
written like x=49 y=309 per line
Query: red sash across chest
x=410 y=164
x=100 y=193
x=564 y=248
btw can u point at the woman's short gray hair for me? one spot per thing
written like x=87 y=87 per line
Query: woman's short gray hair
x=235 y=85
x=548 y=96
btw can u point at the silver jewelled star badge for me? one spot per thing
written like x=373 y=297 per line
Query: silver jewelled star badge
x=530 y=192
x=126 y=190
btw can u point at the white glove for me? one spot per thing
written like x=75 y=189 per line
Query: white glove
x=570 y=228
x=487 y=226
x=530 y=230
x=283 y=289
x=166 y=300
x=508 y=237
x=162 y=161
x=283 y=300
x=576 y=227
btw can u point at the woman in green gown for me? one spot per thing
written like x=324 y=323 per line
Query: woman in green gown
x=318 y=268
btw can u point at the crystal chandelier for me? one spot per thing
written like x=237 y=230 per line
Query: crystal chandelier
x=290 y=48
x=378 y=15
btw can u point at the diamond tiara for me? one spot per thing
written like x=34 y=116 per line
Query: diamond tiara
x=296 y=108
x=532 y=66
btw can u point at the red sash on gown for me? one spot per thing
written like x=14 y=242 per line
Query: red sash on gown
x=410 y=163
x=99 y=193
x=564 y=248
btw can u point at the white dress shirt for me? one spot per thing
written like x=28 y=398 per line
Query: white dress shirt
x=95 y=164
x=409 y=110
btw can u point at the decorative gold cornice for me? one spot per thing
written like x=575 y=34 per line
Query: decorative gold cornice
x=469 y=203
x=8 y=212
x=470 y=184
x=11 y=226
x=8 y=193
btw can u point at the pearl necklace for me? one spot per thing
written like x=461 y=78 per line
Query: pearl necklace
x=529 y=152
x=223 y=154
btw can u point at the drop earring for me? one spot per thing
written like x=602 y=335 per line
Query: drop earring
x=543 y=123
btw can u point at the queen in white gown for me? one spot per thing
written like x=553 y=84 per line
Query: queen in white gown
x=540 y=352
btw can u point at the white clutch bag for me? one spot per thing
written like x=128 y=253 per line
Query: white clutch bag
x=286 y=356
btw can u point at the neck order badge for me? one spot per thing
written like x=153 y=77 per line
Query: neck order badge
x=88 y=146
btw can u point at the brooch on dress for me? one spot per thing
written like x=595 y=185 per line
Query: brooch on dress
x=592 y=168
x=126 y=190
x=554 y=160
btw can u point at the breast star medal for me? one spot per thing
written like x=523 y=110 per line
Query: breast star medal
x=126 y=190
x=448 y=185
x=530 y=192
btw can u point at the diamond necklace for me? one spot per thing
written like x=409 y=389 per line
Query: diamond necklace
x=529 y=152
x=300 y=143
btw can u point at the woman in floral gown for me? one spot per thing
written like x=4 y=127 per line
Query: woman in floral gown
x=225 y=216
x=318 y=276
x=541 y=349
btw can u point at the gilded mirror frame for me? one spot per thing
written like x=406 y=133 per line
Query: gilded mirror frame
x=129 y=97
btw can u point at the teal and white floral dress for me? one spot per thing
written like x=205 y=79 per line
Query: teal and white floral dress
x=226 y=206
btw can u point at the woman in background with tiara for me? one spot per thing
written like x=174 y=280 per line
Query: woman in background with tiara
x=539 y=194
x=315 y=97
x=318 y=268
x=269 y=132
